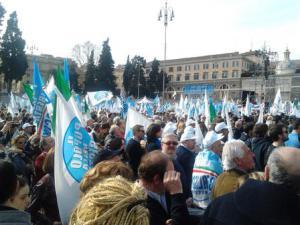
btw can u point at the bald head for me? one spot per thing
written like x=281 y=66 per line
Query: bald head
x=283 y=167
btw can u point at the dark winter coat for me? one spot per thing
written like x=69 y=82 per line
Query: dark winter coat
x=255 y=203
x=260 y=147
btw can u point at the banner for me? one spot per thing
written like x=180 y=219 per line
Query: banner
x=99 y=96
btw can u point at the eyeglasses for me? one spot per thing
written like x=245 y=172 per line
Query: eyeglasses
x=171 y=143
x=142 y=131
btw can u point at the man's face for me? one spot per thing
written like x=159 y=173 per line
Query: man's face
x=190 y=144
x=217 y=147
x=284 y=134
x=246 y=163
x=117 y=133
x=140 y=134
x=30 y=130
x=169 y=145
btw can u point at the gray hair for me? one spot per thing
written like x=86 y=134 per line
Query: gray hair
x=231 y=150
x=169 y=135
x=279 y=171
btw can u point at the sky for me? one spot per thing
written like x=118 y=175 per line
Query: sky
x=200 y=27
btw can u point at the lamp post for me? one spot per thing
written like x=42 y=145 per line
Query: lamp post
x=139 y=74
x=168 y=14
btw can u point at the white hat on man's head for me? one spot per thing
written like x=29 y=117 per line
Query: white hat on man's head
x=27 y=125
x=188 y=134
x=189 y=122
x=210 y=138
x=220 y=126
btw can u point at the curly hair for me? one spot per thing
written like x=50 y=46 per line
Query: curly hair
x=112 y=201
x=104 y=170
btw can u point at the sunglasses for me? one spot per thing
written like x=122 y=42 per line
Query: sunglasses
x=171 y=143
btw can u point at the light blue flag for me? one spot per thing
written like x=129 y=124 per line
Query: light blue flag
x=66 y=72
x=149 y=110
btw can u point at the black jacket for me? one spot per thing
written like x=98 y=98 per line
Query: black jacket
x=134 y=152
x=44 y=197
x=186 y=158
x=177 y=210
x=255 y=203
x=260 y=147
x=246 y=138
x=186 y=190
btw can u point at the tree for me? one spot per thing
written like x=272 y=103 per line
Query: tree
x=90 y=74
x=156 y=79
x=105 y=69
x=127 y=75
x=2 y=13
x=12 y=54
x=82 y=52
x=74 y=78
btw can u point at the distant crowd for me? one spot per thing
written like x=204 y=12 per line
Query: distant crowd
x=242 y=173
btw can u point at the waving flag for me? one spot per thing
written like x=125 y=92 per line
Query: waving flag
x=28 y=90
x=74 y=148
x=276 y=109
x=66 y=72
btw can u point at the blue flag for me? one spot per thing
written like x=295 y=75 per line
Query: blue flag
x=66 y=72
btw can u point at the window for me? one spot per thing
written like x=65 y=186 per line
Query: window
x=214 y=75
x=235 y=73
x=237 y=63
x=187 y=68
x=170 y=77
x=224 y=74
x=187 y=76
x=205 y=75
x=215 y=66
x=205 y=66
x=170 y=69
x=178 y=68
x=196 y=66
x=225 y=64
x=196 y=76
x=178 y=77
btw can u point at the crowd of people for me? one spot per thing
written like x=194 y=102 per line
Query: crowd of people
x=246 y=175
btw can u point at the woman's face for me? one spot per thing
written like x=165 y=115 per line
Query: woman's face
x=158 y=134
x=21 y=199
x=20 y=143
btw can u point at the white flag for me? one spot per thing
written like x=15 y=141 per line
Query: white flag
x=74 y=153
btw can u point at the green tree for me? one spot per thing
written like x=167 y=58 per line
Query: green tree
x=137 y=83
x=127 y=75
x=74 y=78
x=90 y=74
x=105 y=69
x=12 y=54
x=2 y=13
x=154 y=74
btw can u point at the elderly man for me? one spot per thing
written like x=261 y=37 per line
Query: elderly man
x=169 y=144
x=186 y=153
x=207 y=167
x=237 y=161
x=257 y=202
x=165 y=201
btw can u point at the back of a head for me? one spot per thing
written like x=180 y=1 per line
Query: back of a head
x=152 y=130
x=112 y=201
x=232 y=150
x=102 y=171
x=8 y=181
x=248 y=127
x=136 y=129
x=260 y=130
x=284 y=168
x=153 y=163
x=296 y=124
x=275 y=130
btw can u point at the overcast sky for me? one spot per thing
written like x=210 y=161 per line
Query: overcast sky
x=200 y=27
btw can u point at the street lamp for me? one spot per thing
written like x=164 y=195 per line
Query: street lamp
x=139 y=74
x=168 y=14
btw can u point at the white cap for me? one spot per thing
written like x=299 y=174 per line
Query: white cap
x=27 y=125
x=170 y=128
x=210 y=138
x=188 y=134
x=190 y=122
x=220 y=126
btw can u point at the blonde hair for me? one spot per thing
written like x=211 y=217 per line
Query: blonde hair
x=111 y=202
x=104 y=170
x=253 y=175
x=17 y=138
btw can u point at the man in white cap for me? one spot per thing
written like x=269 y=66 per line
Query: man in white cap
x=207 y=167
x=28 y=129
x=186 y=153
x=222 y=128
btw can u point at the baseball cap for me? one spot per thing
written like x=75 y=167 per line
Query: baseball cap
x=188 y=134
